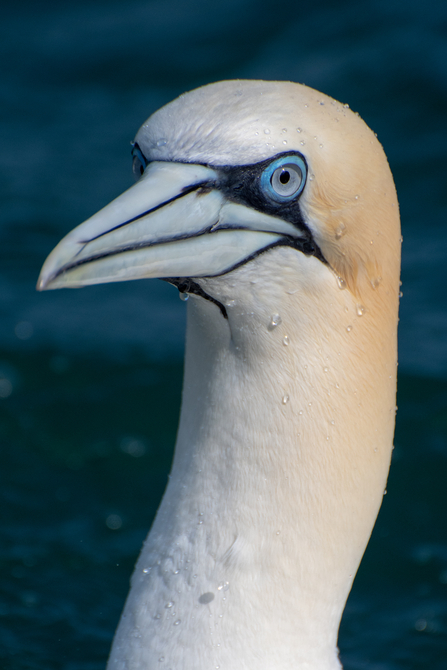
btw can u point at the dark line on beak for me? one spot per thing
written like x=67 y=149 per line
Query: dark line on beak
x=185 y=191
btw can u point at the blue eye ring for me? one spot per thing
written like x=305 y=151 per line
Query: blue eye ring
x=284 y=179
x=139 y=162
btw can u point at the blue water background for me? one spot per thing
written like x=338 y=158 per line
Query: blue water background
x=90 y=380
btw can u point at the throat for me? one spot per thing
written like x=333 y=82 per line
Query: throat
x=186 y=285
x=274 y=490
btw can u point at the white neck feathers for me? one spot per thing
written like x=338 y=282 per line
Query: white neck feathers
x=281 y=462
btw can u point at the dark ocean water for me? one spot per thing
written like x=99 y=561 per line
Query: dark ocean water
x=90 y=380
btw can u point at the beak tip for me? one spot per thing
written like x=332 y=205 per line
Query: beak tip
x=43 y=282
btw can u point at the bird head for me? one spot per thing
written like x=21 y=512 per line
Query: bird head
x=227 y=173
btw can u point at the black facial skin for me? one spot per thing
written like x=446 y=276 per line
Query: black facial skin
x=241 y=184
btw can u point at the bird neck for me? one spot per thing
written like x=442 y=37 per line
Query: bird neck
x=281 y=462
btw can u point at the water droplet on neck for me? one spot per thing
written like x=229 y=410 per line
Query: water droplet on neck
x=169 y=605
x=375 y=282
x=176 y=623
x=285 y=399
x=341 y=283
x=223 y=586
x=284 y=141
x=275 y=320
x=359 y=310
x=340 y=231
x=161 y=142
x=267 y=131
x=298 y=130
x=285 y=340
x=146 y=570
x=184 y=296
x=349 y=328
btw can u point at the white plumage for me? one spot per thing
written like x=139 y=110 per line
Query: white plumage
x=273 y=206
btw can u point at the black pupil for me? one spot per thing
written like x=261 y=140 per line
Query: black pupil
x=141 y=168
x=284 y=177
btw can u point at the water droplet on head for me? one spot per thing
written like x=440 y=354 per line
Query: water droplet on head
x=321 y=146
x=161 y=659
x=223 y=586
x=184 y=296
x=298 y=130
x=375 y=282
x=161 y=142
x=275 y=320
x=356 y=197
x=176 y=623
x=267 y=131
x=341 y=283
x=340 y=231
x=285 y=340
x=284 y=130
x=325 y=369
x=346 y=106
x=146 y=570
x=400 y=294
x=169 y=604
x=285 y=399
x=302 y=143
x=359 y=310
x=349 y=328
x=278 y=532
x=284 y=141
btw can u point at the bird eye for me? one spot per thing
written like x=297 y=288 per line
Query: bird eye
x=139 y=162
x=284 y=178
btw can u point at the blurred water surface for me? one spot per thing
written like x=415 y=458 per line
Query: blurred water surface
x=90 y=380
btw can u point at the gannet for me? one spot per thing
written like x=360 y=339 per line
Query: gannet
x=272 y=207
